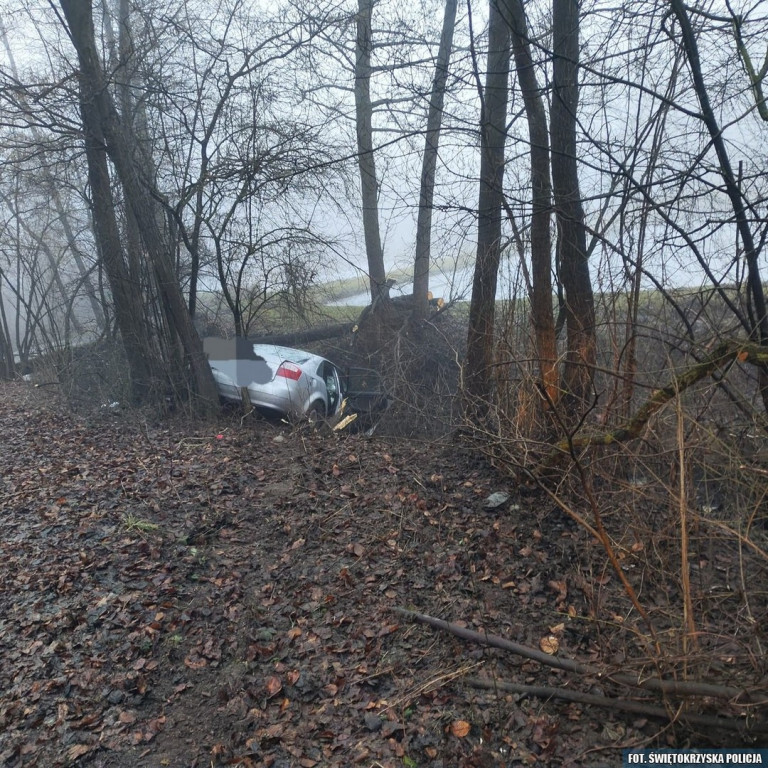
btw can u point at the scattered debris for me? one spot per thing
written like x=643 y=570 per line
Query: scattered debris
x=496 y=500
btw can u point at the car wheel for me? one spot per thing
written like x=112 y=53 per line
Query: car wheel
x=316 y=412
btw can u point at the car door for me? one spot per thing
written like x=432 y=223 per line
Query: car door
x=329 y=374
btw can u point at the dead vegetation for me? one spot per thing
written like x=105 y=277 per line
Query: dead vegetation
x=626 y=570
x=671 y=486
x=162 y=574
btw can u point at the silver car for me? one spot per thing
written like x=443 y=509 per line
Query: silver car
x=295 y=383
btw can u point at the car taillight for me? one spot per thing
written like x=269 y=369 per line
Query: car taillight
x=289 y=371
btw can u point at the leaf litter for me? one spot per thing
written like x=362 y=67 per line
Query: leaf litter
x=185 y=595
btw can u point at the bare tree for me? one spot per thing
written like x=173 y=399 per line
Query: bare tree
x=247 y=170
x=366 y=160
x=493 y=135
x=740 y=208
x=53 y=191
x=572 y=238
x=399 y=90
x=421 y=261
x=542 y=315
x=104 y=127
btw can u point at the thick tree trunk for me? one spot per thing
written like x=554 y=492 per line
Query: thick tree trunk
x=572 y=238
x=429 y=163
x=101 y=116
x=136 y=126
x=493 y=137
x=129 y=311
x=365 y=157
x=307 y=336
x=542 y=314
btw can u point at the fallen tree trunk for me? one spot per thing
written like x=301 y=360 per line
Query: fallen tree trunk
x=306 y=336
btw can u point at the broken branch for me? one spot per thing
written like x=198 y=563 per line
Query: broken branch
x=667 y=687
x=608 y=702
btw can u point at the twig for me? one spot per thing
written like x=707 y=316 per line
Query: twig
x=495 y=641
x=689 y=636
x=742 y=539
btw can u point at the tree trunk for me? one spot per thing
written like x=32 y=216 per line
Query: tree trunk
x=365 y=158
x=129 y=313
x=572 y=238
x=127 y=300
x=542 y=314
x=100 y=116
x=306 y=336
x=7 y=360
x=136 y=126
x=429 y=164
x=493 y=136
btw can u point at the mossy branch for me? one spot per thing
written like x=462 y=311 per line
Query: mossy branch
x=725 y=353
